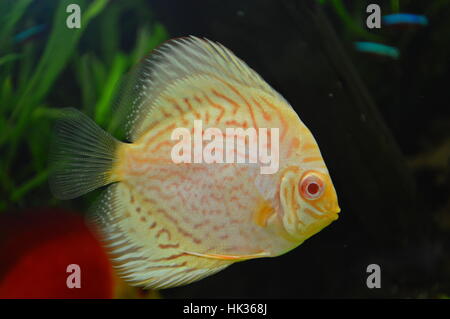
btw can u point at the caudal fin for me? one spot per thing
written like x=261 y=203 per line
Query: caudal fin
x=82 y=155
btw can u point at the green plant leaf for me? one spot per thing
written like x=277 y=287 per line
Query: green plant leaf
x=9 y=58
x=60 y=47
x=10 y=13
x=103 y=107
x=29 y=185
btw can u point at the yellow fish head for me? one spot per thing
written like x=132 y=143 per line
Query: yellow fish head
x=309 y=201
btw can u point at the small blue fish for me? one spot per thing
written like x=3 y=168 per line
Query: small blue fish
x=405 y=18
x=27 y=34
x=377 y=48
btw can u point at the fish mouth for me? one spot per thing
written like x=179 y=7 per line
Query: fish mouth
x=333 y=214
x=318 y=225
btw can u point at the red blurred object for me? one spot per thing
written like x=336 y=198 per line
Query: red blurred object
x=36 y=248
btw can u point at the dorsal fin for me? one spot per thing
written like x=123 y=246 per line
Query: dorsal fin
x=174 y=63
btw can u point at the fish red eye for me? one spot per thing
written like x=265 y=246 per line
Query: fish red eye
x=311 y=187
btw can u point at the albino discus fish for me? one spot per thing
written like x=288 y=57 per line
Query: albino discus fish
x=168 y=224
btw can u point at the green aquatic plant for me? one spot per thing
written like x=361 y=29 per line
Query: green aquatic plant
x=39 y=76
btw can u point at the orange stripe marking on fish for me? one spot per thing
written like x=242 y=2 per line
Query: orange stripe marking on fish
x=180 y=229
x=200 y=225
x=163 y=231
x=217 y=106
x=232 y=102
x=179 y=109
x=196 y=114
x=160 y=193
x=311 y=159
x=149 y=200
x=236 y=123
x=175 y=104
x=198 y=100
x=164 y=143
x=308 y=147
x=266 y=115
x=163 y=111
x=162 y=132
x=217 y=198
x=206 y=117
x=235 y=90
x=186 y=219
x=218 y=227
x=282 y=119
x=155 y=160
x=162 y=246
x=295 y=142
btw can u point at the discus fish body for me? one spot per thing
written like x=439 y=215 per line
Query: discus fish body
x=168 y=224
